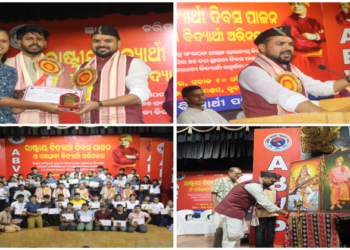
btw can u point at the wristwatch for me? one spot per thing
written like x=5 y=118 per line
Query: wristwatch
x=99 y=103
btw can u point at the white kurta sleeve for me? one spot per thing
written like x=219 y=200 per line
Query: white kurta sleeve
x=136 y=80
x=257 y=192
x=183 y=118
x=260 y=82
x=316 y=87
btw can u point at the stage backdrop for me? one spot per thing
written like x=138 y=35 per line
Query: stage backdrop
x=2 y=157
x=194 y=189
x=215 y=42
x=274 y=150
x=58 y=154
x=148 y=37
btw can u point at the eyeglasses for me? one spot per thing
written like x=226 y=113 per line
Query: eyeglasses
x=239 y=174
x=197 y=95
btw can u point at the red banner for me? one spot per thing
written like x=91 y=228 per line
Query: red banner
x=215 y=42
x=145 y=156
x=194 y=188
x=70 y=43
x=274 y=150
x=2 y=157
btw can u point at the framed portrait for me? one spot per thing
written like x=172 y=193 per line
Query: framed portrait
x=336 y=184
x=304 y=185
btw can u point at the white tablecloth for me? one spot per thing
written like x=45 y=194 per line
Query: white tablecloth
x=195 y=227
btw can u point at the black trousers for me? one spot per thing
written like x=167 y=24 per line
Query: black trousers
x=155 y=219
x=2 y=204
x=67 y=227
x=268 y=223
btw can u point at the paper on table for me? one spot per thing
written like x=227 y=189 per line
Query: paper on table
x=136 y=187
x=48 y=94
x=68 y=216
x=95 y=205
x=73 y=181
x=164 y=211
x=54 y=210
x=12 y=184
x=115 y=203
x=155 y=191
x=77 y=206
x=20 y=211
x=86 y=218
x=145 y=186
x=138 y=221
x=37 y=184
x=106 y=223
x=94 y=184
x=119 y=223
x=52 y=185
x=43 y=210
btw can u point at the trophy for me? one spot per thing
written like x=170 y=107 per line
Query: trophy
x=170 y=211
x=24 y=212
x=119 y=185
x=5 y=192
x=59 y=204
x=141 y=188
x=135 y=223
x=146 y=207
x=150 y=211
x=68 y=100
x=119 y=224
x=38 y=212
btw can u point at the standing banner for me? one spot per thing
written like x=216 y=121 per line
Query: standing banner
x=145 y=156
x=194 y=188
x=274 y=150
x=2 y=158
x=157 y=150
x=215 y=42
x=70 y=44
x=168 y=170
x=58 y=154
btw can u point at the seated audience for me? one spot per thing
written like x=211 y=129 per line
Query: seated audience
x=20 y=204
x=135 y=226
x=77 y=200
x=6 y=223
x=119 y=214
x=102 y=214
x=85 y=212
x=95 y=199
x=34 y=218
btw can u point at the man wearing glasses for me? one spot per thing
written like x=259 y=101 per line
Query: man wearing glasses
x=195 y=113
x=221 y=187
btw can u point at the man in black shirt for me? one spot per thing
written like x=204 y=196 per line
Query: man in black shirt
x=48 y=219
x=119 y=214
x=122 y=172
x=35 y=173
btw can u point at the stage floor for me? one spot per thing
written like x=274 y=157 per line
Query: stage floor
x=52 y=237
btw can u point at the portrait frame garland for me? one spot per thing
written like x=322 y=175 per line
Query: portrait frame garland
x=297 y=164
x=57 y=70
x=326 y=169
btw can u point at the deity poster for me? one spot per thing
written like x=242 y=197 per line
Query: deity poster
x=303 y=185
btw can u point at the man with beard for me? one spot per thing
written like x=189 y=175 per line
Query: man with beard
x=343 y=18
x=195 y=113
x=121 y=86
x=272 y=86
x=233 y=209
x=33 y=39
x=124 y=155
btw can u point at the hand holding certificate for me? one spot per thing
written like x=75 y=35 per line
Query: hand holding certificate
x=137 y=222
x=54 y=211
x=106 y=223
x=95 y=205
x=19 y=211
x=42 y=210
x=60 y=97
x=68 y=216
x=119 y=223
x=85 y=218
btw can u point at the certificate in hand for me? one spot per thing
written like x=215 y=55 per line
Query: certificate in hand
x=155 y=191
x=43 y=210
x=31 y=181
x=106 y=223
x=95 y=205
x=12 y=184
x=2 y=192
x=94 y=184
x=145 y=186
x=54 y=210
x=136 y=222
x=135 y=187
x=22 y=183
x=73 y=181
x=119 y=223
x=17 y=221
x=63 y=203
x=115 y=203
x=20 y=211
x=155 y=210
x=86 y=218
x=77 y=206
x=37 y=184
x=68 y=216
x=146 y=206
x=131 y=206
x=164 y=211
x=61 y=96
x=52 y=185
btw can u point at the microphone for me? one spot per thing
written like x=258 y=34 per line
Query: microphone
x=323 y=67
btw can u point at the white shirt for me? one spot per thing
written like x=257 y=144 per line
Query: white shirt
x=137 y=79
x=17 y=205
x=158 y=205
x=260 y=82
x=55 y=192
x=26 y=194
x=72 y=174
x=131 y=175
x=257 y=192
x=195 y=116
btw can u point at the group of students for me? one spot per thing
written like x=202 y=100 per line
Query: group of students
x=78 y=201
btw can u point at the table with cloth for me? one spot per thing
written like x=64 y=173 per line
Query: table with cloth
x=317 y=230
x=195 y=227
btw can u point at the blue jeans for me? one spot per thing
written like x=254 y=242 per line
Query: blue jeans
x=105 y=228
x=123 y=229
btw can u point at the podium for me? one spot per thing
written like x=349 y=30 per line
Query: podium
x=339 y=113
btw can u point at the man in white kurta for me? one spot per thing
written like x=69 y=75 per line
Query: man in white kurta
x=195 y=113
x=233 y=209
